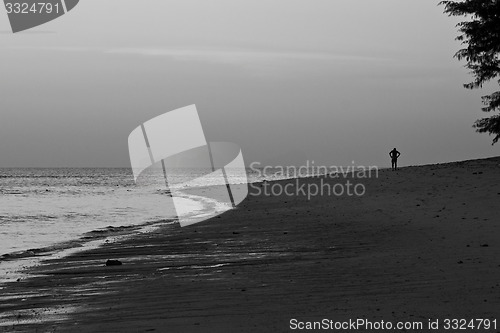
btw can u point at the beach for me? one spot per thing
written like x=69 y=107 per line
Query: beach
x=420 y=244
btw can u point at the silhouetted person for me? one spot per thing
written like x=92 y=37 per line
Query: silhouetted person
x=394 y=154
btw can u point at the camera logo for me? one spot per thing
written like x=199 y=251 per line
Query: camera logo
x=175 y=143
x=26 y=14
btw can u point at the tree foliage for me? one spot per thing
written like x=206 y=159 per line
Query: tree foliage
x=481 y=38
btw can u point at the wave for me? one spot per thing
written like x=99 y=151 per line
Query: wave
x=93 y=235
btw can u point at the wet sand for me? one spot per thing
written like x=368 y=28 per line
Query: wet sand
x=422 y=243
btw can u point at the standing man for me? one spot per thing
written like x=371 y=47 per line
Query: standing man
x=394 y=154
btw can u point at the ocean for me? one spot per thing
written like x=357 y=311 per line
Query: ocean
x=53 y=211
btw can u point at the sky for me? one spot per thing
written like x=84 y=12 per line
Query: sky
x=331 y=81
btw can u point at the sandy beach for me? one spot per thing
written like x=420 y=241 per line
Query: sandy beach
x=421 y=244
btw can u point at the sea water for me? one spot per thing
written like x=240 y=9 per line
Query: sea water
x=47 y=210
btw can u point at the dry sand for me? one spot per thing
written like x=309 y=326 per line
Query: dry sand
x=422 y=243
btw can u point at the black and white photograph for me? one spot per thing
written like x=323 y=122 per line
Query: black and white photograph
x=250 y=166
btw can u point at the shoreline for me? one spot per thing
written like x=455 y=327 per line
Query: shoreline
x=421 y=244
x=33 y=256
x=16 y=266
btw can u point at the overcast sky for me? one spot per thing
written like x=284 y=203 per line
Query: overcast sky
x=332 y=81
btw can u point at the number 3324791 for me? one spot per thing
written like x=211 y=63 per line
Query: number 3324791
x=35 y=8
